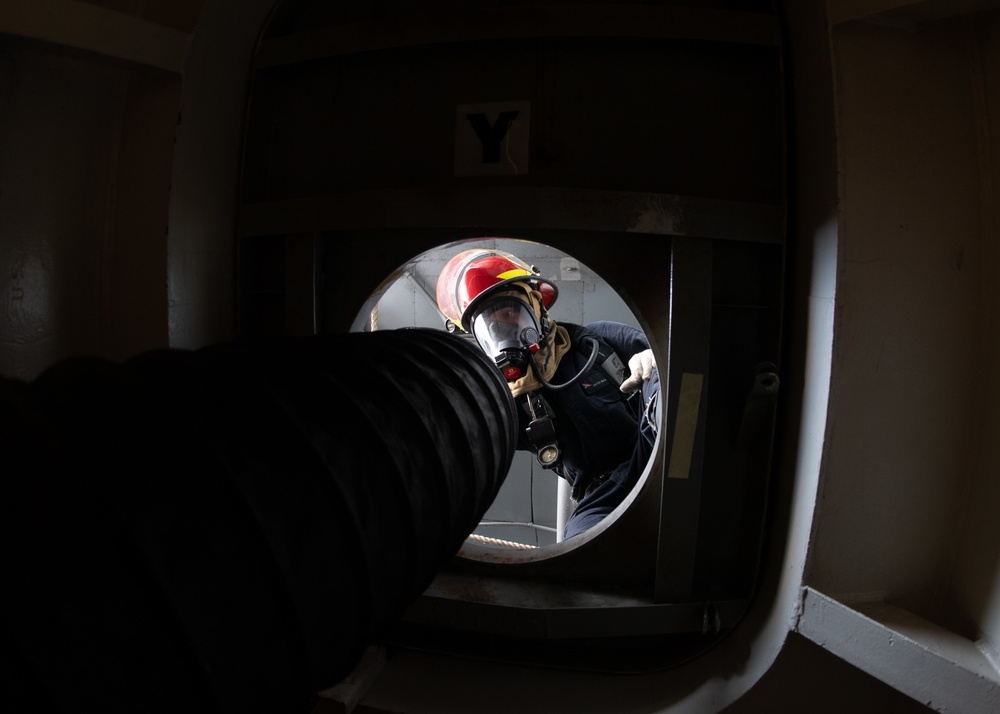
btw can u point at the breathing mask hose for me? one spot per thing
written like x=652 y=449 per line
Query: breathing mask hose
x=590 y=363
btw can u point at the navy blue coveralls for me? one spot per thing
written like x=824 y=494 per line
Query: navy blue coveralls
x=605 y=438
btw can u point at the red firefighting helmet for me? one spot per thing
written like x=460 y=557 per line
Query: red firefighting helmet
x=473 y=275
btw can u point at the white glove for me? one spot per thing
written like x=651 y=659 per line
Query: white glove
x=641 y=365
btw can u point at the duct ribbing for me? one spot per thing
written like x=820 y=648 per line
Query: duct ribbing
x=226 y=529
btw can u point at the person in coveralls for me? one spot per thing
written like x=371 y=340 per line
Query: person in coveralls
x=585 y=412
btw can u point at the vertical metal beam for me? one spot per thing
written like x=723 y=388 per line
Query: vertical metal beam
x=301 y=268
x=687 y=383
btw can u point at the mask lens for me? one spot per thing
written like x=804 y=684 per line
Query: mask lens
x=504 y=324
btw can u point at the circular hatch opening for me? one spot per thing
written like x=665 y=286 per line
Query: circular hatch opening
x=528 y=517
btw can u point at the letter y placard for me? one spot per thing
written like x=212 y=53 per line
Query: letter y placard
x=492 y=139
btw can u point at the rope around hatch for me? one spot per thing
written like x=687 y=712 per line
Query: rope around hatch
x=497 y=541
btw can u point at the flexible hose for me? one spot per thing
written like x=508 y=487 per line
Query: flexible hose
x=594 y=347
x=226 y=530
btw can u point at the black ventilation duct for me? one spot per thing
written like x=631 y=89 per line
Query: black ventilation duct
x=225 y=530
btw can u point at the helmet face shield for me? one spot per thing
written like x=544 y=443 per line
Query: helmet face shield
x=506 y=329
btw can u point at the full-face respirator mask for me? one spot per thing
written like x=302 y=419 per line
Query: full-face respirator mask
x=507 y=330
